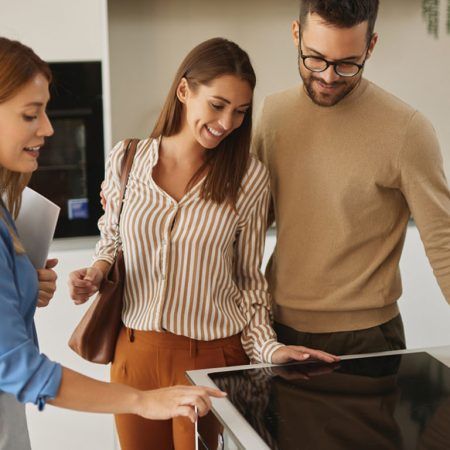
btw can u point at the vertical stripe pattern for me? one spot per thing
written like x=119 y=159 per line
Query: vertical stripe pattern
x=193 y=266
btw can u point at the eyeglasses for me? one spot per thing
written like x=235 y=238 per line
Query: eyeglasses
x=341 y=68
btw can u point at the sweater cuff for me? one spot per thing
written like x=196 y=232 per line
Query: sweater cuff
x=268 y=349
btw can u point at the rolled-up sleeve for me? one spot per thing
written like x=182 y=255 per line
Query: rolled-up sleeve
x=24 y=372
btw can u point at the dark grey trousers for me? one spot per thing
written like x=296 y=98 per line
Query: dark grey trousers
x=384 y=337
x=13 y=424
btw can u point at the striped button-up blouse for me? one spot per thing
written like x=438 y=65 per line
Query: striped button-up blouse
x=192 y=266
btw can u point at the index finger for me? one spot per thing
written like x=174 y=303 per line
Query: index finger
x=212 y=392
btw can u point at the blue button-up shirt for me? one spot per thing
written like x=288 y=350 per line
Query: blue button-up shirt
x=24 y=372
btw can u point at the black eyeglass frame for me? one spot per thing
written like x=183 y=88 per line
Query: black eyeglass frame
x=332 y=63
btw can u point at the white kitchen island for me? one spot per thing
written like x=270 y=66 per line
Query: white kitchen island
x=239 y=434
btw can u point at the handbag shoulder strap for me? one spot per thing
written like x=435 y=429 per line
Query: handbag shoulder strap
x=127 y=163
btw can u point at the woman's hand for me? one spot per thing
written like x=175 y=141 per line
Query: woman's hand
x=166 y=403
x=83 y=283
x=47 y=283
x=300 y=353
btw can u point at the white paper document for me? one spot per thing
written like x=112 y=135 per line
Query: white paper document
x=36 y=225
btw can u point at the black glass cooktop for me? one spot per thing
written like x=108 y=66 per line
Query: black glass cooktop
x=399 y=402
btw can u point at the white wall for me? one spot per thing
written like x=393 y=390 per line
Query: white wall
x=413 y=64
x=58 y=30
x=63 y=31
x=425 y=311
x=55 y=428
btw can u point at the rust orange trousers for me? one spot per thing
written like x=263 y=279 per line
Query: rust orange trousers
x=150 y=360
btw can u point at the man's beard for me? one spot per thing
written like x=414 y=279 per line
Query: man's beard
x=331 y=99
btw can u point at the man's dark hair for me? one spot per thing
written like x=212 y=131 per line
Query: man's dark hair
x=342 y=13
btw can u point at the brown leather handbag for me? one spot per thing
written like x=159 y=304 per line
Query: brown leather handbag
x=95 y=336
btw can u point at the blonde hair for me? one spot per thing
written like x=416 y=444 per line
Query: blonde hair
x=18 y=65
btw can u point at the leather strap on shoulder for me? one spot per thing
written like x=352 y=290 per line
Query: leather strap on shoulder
x=127 y=163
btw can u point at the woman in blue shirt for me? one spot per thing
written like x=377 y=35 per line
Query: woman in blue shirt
x=26 y=375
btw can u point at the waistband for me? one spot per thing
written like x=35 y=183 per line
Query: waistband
x=167 y=339
x=334 y=321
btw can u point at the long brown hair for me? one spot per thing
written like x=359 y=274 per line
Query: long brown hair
x=18 y=66
x=225 y=164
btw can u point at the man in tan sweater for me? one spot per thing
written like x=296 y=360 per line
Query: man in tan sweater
x=349 y=163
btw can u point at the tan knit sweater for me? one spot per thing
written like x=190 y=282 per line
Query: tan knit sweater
x=345 y=180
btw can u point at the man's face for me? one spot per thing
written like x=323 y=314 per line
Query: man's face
x=317 y=38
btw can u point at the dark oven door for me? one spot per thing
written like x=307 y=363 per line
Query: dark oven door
x=71 y=164
x=71 y=170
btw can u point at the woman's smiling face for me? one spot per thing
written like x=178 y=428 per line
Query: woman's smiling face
x=24 y=125
x=213 y=111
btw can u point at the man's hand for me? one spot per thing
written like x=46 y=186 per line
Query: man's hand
x=47 y=282
x=299 y=353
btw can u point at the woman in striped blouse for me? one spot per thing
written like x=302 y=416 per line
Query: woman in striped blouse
x=192 y=230
x=26 y=374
